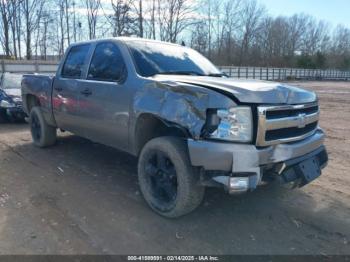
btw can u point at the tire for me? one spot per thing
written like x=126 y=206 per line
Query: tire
x=168 y=182
x=43 y=135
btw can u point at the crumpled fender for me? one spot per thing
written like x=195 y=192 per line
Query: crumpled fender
x=182 y=104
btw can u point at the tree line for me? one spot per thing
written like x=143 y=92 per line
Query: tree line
x=229 y=32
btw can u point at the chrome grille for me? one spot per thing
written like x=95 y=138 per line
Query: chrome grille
x=283 y=124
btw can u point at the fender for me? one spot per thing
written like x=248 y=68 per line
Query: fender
x=182 y=104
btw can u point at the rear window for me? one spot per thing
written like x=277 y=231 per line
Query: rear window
x=107 y=63
x=74 y=63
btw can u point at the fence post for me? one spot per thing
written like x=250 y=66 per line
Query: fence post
x=267 y=74
x=261 y=77
x=246 y=72
x=239 y=72
x=254 y=73
x=285 y=74
x=279 y=74
x=36 y=65
x=3 y=65
x=230 y=72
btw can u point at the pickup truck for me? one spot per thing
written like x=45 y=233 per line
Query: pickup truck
x=189 y=124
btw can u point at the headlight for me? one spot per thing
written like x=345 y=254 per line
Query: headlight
x=6 y=104
x=235 y=124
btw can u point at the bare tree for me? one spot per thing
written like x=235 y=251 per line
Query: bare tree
x=67 y=5
x=122 y=20
x=62 y=32
x=32 y=10
x=173 y=17
x=228 y=31
x=74 y=22
x=139 y=12
x=5 y=17
x=251 y=16
x=15 y=25
x=18 y=22
x=153 y=20
x=92 y=7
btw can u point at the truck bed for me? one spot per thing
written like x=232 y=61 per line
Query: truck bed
x=38 y=87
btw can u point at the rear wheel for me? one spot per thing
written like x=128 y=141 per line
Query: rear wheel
x=43 y=135
x=168 y=182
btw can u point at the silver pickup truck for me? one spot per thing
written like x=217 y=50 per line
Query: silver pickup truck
x=190 y=125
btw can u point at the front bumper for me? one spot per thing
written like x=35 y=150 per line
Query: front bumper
x=247 y=160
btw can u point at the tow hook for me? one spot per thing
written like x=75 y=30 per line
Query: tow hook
x=237 y=185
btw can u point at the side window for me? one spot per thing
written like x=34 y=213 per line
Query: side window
x=74 y=63
x=107 y=63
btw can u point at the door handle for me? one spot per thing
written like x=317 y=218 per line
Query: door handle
x=58 y=89
x=86 y=92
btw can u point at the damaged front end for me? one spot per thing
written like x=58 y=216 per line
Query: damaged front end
x=181 y=104
x=223 y=134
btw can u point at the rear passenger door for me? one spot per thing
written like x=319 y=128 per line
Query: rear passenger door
x=67 y=89
x=104 y=101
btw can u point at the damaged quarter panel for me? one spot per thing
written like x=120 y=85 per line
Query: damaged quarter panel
x=40 y=87
x=179 y=103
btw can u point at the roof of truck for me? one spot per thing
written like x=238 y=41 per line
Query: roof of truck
x=124 y=39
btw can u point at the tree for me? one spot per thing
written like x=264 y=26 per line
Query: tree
x=32 y=10
x=173 y=17
x=123 y=21
x=92 y=7
x=251 y=16
x=5 y=17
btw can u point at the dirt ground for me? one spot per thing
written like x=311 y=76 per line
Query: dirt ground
x=82 y=198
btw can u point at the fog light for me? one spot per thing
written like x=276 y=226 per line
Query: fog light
x=238 y=185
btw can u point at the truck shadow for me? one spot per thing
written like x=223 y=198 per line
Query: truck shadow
x=267 y=221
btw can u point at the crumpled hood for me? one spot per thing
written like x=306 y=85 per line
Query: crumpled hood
x=13 y=92
x=248 y=91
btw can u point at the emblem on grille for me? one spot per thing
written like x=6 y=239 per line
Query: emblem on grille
x=301 y=120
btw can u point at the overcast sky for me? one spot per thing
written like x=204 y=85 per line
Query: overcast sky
x=334 y=11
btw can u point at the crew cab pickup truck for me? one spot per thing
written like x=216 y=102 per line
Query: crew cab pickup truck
x=190 y=125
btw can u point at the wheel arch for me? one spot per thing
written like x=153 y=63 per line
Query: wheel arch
x=149 y=126
x=31 y=101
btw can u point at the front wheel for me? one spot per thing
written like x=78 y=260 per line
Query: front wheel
x=168 y=182
x=43 y=134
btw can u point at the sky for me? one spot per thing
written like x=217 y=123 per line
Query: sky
x=334 y=11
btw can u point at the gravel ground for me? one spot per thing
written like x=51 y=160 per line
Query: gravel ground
x=82 y=198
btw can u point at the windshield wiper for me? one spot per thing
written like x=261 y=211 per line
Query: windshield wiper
x=189 y=73
x=217 y=75
x=192 y=73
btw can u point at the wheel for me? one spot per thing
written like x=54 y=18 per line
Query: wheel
x=43 y=135
x=168 y=182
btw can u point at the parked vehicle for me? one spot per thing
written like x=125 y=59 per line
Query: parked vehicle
x=190 y=126
x=10 y=98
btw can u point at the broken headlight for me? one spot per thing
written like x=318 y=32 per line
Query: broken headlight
x=235 y=124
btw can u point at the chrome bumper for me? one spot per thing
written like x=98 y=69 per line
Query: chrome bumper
x=248 y=159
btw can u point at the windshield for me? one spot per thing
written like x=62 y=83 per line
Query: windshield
x=153 y=58
x=11 y=81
